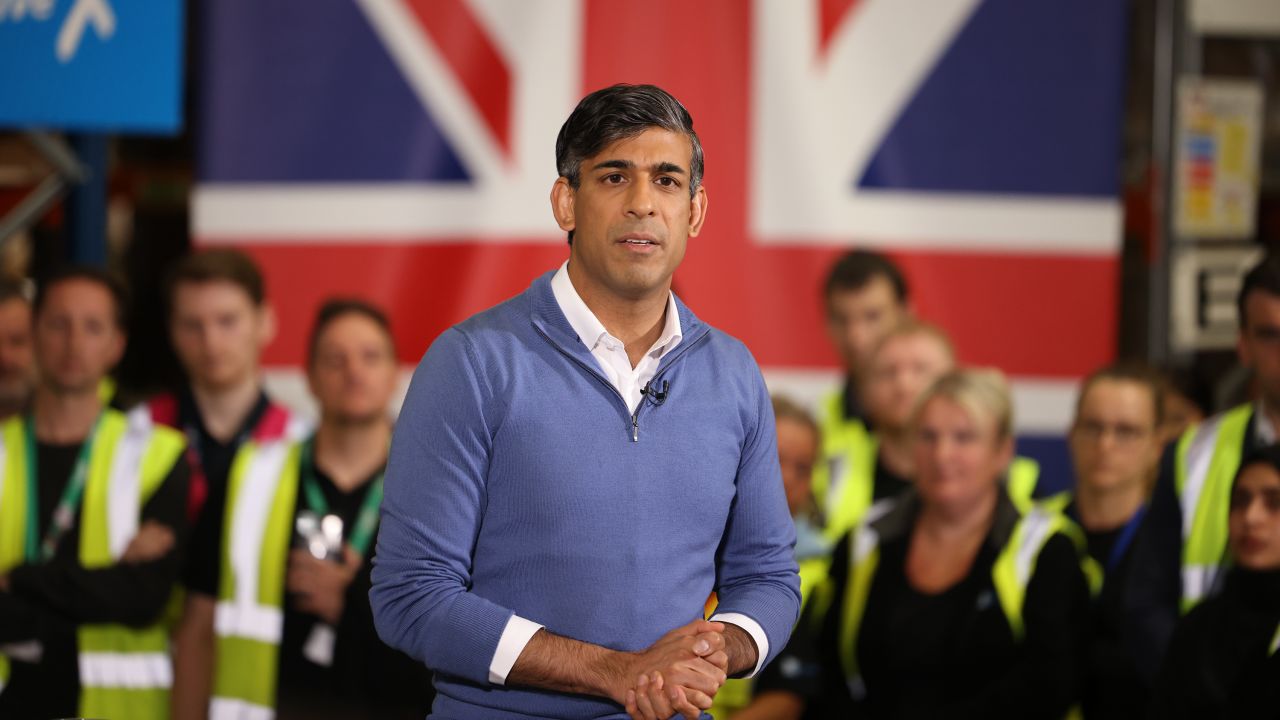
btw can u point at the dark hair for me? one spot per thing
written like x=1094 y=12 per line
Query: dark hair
x=857 y=268
x=334 y=308
x=15 y=289
x=88 y=273
x=219 y=265
x=1133 y=372
x=1264 y=276
x=1265 y=455
x=616 y=113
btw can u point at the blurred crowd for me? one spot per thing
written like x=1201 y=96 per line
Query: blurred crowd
x=204 y=554
x=207 y=554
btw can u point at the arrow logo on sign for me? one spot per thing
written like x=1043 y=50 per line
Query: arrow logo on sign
x=83 y=13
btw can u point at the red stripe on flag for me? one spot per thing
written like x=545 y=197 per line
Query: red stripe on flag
x=474 y=59
x=1029 y=315
x=831 y=14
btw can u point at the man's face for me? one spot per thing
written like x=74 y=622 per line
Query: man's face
x=858 y=319
x=77 y=341
x=898 y=373
x=218 y=332
x=1259 y=343
x=631 y=216
x=17 y=361
x=797 y=453
x=354 y=372
x=1114 y=439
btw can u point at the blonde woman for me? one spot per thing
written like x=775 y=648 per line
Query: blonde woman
x=946 y=601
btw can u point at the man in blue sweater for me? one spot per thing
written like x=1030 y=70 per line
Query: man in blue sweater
x=575 y=470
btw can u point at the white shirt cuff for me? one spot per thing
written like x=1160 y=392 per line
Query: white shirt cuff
x=517 y=634
x=753 y=629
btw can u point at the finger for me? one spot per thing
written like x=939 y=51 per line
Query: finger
x=632 y=709
x=708 y=642
x=698 y=699
x=350 y=557
x=720 y=660
x=658 y=699
x=696 y=627
x=704 y=679
x=643 y=702
x=682 y=705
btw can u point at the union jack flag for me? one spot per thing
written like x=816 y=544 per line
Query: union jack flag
x=403 y=150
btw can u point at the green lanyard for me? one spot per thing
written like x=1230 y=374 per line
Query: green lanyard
x=366 y=521
x=64 y=515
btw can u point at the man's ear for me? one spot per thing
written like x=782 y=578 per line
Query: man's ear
x=697 y=210
x=267 y=326
x=562 y=204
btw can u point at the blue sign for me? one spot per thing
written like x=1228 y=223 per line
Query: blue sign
x=91 y=65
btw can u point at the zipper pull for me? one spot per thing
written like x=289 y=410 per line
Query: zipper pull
x=635 y=426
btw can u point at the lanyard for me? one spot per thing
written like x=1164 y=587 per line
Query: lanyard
x=1125 y=539
x=366 y=520
x=64 y=514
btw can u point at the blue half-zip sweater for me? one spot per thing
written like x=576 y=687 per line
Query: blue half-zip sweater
x=519 y=482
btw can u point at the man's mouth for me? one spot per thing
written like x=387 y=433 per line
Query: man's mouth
x=638 y=239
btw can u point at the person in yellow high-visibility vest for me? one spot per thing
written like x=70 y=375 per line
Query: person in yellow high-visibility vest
x=91 y=524
x=293 y=632
x=948 y=600
x=865 y=296
x=1115 y=445
x=1190 y=503
x=898 y=369
x=1225 y=655
x=220 y=319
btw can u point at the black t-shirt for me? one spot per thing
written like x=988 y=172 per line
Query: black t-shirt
x=48 y=601
x=1113 y=686
x=1220 y=663
x=851 y=404
x=367 y=679
x=887 y=483
x=200 y=574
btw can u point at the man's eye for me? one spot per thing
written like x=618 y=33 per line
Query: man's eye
x=665 y=181
x=613 y=179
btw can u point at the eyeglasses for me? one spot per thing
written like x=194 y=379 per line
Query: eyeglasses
x=1124 y=433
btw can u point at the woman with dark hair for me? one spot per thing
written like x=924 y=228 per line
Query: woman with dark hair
x=1223 y=662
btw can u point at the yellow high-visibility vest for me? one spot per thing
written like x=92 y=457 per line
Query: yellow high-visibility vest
x=124 y=672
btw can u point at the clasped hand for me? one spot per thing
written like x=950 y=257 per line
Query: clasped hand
x=679 y=674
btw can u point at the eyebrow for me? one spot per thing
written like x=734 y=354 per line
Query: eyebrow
x=662 y=168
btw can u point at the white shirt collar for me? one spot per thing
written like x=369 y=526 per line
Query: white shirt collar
x=589 y=328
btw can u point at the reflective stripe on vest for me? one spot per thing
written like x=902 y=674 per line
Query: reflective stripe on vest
x=856 y=488
x=1207 y=459
x=13 y=511
x=1010 y=574
x=124 y=672
x=1021 y=480
x=229 y=709
x=843 y=440
x=249 y=621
